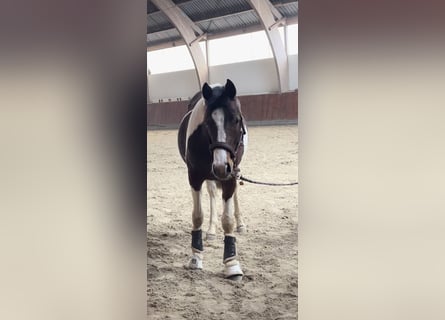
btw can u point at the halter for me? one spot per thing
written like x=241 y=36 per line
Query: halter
x=225 y=146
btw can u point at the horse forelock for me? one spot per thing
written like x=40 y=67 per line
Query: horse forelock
x=220 y=99
x=217 y=98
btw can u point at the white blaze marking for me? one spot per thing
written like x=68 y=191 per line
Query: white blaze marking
x=219 y=155
x=218 y=117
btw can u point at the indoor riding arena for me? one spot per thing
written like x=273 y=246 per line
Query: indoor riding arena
x=254 y=44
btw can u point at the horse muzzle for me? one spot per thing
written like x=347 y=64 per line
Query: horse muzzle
x=222 y=171
x=223 y=164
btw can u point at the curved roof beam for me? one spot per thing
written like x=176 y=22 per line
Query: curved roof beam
x=191 y=34
x=267 y=14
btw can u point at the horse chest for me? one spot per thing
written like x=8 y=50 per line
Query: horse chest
x=199 y=157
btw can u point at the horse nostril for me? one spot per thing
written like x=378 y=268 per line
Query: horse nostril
x=222 y=171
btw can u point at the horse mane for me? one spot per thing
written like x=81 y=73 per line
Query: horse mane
x=194 y=100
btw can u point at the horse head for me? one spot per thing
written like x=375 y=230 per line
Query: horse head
x=224 y=123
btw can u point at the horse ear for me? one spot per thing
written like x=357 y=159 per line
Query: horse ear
x=206 y=91
x=230 y=89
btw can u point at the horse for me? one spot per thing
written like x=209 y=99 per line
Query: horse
x=212 y=139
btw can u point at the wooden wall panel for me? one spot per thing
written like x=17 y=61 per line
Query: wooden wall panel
x=261 y=107
x=166 y=113
x=267 y=107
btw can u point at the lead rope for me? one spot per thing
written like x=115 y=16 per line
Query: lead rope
x=242 y=178
x=266 y=183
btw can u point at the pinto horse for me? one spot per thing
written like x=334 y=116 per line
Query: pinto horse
x=212 y=138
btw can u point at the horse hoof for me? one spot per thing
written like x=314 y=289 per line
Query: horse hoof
x=237 y=277
x=232 y=271
x=195 y=263
x=210 y=236
x=241 y=229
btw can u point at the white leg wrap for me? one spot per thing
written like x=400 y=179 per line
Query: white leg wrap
x=232 y=268
x=195 y=261
x=210 y=236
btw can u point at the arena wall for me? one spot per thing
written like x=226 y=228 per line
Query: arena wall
x=257 y=87
x=258 y=108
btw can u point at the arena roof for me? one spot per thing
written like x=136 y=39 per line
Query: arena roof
x=212 y=19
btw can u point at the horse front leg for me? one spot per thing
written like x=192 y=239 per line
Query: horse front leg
x=195 y=261
x=212 y=190
x=240 y=225
x=232 y=268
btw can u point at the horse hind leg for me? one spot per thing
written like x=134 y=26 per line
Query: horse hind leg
x=240 y=225
x=195 y=261
x=212 y=190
